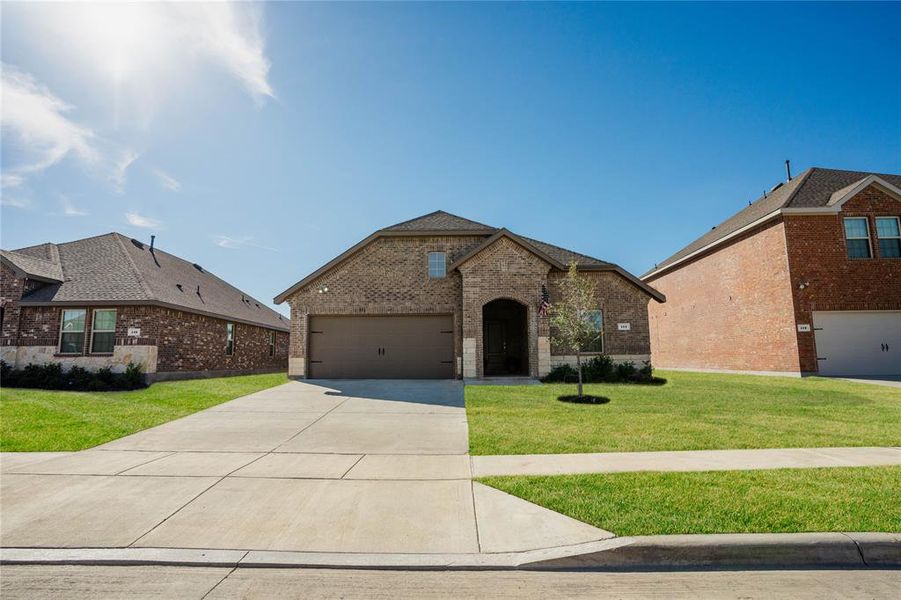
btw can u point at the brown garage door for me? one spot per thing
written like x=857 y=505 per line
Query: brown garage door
x=395 y=347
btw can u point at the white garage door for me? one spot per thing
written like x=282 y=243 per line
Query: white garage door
x=858 y=343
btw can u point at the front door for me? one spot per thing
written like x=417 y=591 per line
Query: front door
x=505 y=338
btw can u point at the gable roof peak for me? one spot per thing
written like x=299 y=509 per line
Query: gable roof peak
x=439 y=220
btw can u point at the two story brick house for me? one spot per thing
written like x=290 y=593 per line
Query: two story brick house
x=110 y=300
x=805 y=280
x=441 y=296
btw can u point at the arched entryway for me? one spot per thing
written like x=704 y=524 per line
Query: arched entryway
x=505 y=338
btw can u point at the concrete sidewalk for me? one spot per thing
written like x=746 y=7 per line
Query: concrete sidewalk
x=690 y=460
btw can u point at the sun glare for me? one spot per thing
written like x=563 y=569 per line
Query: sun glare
x=119 y=38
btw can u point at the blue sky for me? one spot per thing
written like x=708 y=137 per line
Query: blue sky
x=262 y=140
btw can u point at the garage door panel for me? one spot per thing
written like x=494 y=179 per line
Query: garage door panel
x=863 y=343
x=367 y=347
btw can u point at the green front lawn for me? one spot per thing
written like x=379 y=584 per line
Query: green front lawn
x=772 y=501
x=693 y=411
x=41 y=420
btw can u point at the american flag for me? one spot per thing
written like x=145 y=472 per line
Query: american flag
x=544 y=302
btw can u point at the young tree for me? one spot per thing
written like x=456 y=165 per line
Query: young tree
x=571 y=326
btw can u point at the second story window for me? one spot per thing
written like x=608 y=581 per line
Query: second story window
x=857 y=237
x=71 y=337
x=229 y=339
x=888 y=230
x=103 y=332
x=437 y=265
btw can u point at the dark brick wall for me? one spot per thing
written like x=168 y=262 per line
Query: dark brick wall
x=191 y=342
x=11 y=290
x=731 y=309
x=818 y=256
x=185 y=341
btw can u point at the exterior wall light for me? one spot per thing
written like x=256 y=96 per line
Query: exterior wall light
x=323 y=289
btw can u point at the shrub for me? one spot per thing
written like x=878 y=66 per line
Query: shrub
x=602 y=369
x=51 y=376
x=134 y=376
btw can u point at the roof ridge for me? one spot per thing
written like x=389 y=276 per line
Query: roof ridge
x=478 y=224
x=30 y=257
x=434 y=212
x=804 y=178
x=131 y=263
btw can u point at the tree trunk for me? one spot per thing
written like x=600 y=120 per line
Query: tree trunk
x=579 y=369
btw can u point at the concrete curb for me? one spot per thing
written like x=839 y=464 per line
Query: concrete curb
x=648 y=553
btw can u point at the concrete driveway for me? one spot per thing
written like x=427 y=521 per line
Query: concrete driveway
x=325 y=466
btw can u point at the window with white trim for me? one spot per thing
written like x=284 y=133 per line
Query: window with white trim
x=103 y=331
x=271 y=343
x=229 y=339
x=596 y=317
x=857 y=237
x=437 y=265
x=888 y=230
x=71 y=334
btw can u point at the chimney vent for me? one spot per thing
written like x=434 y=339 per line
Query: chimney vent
x=788 y=170
x=152 y=238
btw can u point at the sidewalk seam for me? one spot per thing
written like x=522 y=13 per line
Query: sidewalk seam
x=226 y=576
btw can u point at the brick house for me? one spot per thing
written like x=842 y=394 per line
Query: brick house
x=805 y=280
x=109 y=300
x=441 y=296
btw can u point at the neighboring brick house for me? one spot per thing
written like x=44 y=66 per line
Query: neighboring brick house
x=441 y=296
x=110 y=300
x=805 y=280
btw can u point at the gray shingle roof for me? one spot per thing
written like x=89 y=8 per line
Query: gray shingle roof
x=811 y=189
x=565 y=256
x=114 y=268
x=37 y=268
x=440 y=221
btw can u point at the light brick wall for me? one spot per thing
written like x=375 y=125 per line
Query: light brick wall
x=503 y=270
x=818 y=256
x=730 y=310
x=388 y=276
x=621 y=302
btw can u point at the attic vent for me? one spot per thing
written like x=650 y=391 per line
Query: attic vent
x=137 y=243
x=198 y=267
x=775 y=187
x=180 y=289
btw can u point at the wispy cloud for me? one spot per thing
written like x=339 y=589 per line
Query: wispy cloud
x=224 y=241
x=69 y=209
x=123 y=161
x=136 y=220
x=36 y=118
x=37 y=123
x=167 y=181
x=230 y=34
x=14 y=201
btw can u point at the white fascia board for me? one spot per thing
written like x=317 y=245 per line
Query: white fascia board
x=841 y=197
